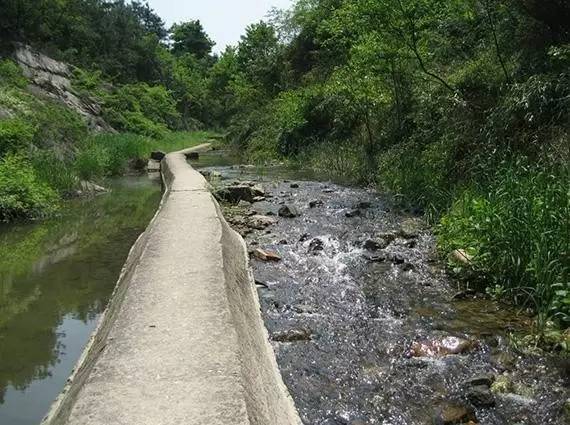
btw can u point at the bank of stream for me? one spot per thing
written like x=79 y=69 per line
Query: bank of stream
x=56 y=277
x=366 y=325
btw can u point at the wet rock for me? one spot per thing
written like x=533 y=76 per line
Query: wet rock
x=303 y=309
x=236 y=193
x=90 y=188
x=288 y=211
x=397 y=258
x=374 y=244
x=440 y=347
x=453 y=413
x=503 y=360
x=315 y=203
x=153 y=166
x=363 y=205
x=389 y=237
x=157 y=155
x=194 y=156
x=485 y=379
x=294 y=186
x=461 y=295
x=408 y=267
x=461 y=257
x=328 y=191
x=304 y=237
x=263 y=255
x=260 y=222
x=292 y=335
x=377 y=258
x=283 y=242
x=316 y=245
x=353 y=213
x=410 y=228
x=243 y=204
x=258 y=199
x=480 y=396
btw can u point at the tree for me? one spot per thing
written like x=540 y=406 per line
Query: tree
x=190 y=37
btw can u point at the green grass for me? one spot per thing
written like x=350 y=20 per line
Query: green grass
x=518 y=232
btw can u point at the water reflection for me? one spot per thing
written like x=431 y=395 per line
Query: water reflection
x=55 y=280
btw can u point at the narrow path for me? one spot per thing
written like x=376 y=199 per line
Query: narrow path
x=182 y=341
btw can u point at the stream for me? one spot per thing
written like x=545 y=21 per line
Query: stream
x=56 y=277
x=366 y=325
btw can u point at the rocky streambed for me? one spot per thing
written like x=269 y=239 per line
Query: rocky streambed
x=366 y=326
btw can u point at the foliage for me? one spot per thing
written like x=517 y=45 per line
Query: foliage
x=142 y=109
x=190 y=37
x=518 y=232
x=11 y=74
x=22 y=193
x=15 y=135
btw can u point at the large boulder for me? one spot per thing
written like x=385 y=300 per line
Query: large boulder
x=236 y=193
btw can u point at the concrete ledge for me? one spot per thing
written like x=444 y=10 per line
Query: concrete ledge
x=182 y=340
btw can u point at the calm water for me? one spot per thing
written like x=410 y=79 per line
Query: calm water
x=55 y=280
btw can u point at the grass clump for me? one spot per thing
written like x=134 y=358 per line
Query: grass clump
x=517 y=231
x=22 y=193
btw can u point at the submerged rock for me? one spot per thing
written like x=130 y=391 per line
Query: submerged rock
x=453 y=413
x=288 y=211
x=292 y=335
x=194 y=156
x=481 y=396
x=315 y=203
x=485 y=379
x=294 y=186
x=260 y=222
x=440 y=347
x=353 y=213
x=263 y=255
x=316 y=245
x=374 y=244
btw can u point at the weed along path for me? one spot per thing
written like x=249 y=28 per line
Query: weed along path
x=182 y=341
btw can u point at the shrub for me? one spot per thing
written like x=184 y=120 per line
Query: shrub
x=518 y=232
x=11 y=74
x=15 y=135
x=142 y=109
x=22 y=193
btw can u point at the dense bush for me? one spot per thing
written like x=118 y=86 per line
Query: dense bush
x=22 y=193
x=142 y=109
x=15 y=135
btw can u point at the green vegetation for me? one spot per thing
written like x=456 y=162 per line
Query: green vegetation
x=458 y=108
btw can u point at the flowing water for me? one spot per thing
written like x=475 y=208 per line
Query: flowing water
x=358 y=327
x=56 y=277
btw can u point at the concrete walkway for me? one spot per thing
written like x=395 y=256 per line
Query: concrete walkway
x=182 y=341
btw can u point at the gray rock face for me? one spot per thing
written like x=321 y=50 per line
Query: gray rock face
x=52 y=79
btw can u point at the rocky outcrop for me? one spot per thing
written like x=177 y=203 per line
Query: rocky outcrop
x=52 y=79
